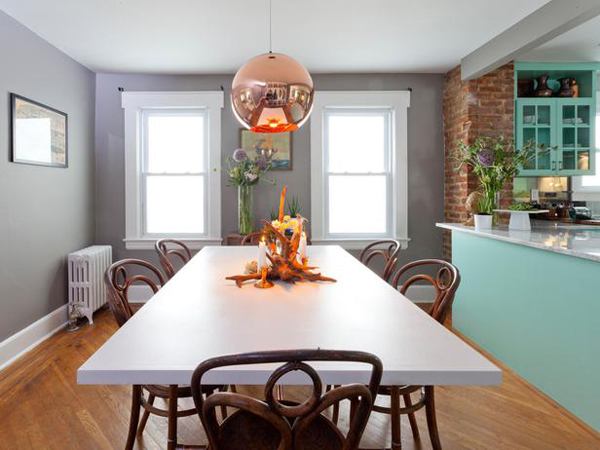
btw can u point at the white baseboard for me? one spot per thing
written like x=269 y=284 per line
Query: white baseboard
x=421 y=293
x=25 y=340
x=140 y=293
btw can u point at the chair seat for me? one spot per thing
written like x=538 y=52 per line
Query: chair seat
x=162 y=391
x=246 y=431
x=407 y=389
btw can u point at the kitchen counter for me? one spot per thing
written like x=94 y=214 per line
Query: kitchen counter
x=531 y=299
x=582 y=241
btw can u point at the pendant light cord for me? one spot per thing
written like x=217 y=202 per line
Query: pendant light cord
x=270 y=27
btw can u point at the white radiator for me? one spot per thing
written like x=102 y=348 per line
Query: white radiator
x=87 y=291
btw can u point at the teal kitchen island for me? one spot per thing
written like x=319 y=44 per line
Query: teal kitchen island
x=532 y=299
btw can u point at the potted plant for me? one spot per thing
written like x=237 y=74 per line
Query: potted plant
x=494 y=161
x=245 y=173
x=289 y=223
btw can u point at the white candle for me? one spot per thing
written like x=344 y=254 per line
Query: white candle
x=302 y=247
x=262 y=254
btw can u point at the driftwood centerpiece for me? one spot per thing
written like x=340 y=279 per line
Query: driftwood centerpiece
x=283 y=255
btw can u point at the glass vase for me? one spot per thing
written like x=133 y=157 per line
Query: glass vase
x=491 y=202
x=245 y=203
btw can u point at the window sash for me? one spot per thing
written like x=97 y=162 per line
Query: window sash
x=579 y=185
x=389 y=200
x=387 y=113
x=171 y=112
x=145 y=173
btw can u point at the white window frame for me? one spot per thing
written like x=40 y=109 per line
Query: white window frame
x=134 y=104
x=398 y=103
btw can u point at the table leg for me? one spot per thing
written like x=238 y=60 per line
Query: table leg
x=172 y=438
x=395 y=417
x=136 y=402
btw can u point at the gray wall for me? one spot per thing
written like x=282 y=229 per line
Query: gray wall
x=425 y=153
x=45 y=213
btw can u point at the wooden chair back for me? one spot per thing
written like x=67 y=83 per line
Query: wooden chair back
x=445 y=282
x=288 y=423
x=168 y=248
x=120 y=276
x=252 y=238
x=386 y=249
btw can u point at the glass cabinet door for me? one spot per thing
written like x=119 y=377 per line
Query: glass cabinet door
x=536 y=122
x=576 y=129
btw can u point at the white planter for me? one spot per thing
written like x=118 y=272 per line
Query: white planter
x=483 y=221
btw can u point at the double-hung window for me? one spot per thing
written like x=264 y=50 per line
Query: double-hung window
x=173 y=172
x=358 y=167
x=353 y=183
x=587 y=187
x=172 y=141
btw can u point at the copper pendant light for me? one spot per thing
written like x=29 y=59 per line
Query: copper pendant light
x=272 y=93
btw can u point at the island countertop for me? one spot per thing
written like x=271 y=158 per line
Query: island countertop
x=574 y=240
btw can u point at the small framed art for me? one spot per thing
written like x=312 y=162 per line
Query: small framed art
x=39 y=133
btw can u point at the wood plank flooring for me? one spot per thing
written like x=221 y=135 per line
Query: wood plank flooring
x=42 y=407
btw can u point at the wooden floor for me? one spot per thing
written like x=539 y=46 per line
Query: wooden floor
x=42 y=407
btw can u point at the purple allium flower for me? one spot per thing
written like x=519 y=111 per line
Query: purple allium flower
x=486 y=157
x=261 y=162
x=240 y=155
x=251 y=176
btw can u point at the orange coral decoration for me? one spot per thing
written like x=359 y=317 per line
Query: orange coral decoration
x=282 y=203
x=283 y=257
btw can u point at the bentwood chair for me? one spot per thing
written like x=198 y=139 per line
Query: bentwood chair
x=177 y=249
x=445 y=281
x=119 y=277
x=387 y=250
x=252 y=238
x=282 y=425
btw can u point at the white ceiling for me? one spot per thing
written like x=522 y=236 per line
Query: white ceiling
x=581 y=44
x=202 y=36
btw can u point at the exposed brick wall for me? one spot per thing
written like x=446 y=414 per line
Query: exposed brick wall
x=473 y=108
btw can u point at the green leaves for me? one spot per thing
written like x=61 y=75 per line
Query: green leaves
x=293 y=207
x=249 y=171
x=494 y=161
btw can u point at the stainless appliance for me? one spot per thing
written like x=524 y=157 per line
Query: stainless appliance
x=583 y=213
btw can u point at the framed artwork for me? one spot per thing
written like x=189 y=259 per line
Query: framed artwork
x=39 y=133
x=258 y=143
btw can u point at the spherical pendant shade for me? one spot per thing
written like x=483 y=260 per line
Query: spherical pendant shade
x=272 y=93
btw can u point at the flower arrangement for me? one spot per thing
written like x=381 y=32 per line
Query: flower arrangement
x=288 y=225
x=245 y=172
x=494 y=161
x=287 y=256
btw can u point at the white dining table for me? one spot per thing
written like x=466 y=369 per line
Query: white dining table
x=199 y=314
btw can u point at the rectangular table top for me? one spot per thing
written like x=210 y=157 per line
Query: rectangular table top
x=198 y=315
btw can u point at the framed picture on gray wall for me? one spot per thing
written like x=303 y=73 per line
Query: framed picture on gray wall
x=39 y=133
x=258 y=143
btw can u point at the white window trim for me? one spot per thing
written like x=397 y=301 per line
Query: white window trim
x=588 y=193
x=399 y=102
x=133 y=104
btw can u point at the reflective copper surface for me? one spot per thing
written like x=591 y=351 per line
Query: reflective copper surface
x=272 y=93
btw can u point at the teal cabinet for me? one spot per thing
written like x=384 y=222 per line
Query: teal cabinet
x=547 y=332
x=566 y=125
x=537 y=121
x=576 y=136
